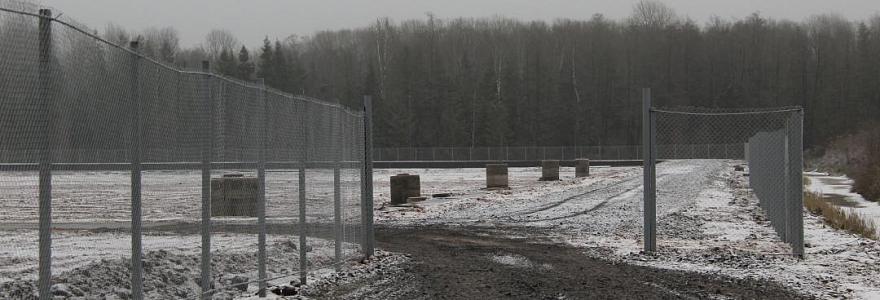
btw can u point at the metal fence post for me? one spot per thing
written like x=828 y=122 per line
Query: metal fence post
x=137 y=136
x=303 y=259
x=650 y=192
x=796 y=184
x=261 y=193
x=746 y=151
x=367 y=188
x=45 y=195
x=337 y=198
x=786 y=184
x=207 y=157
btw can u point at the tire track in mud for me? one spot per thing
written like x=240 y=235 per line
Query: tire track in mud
x=616 y=207
x=569 y=198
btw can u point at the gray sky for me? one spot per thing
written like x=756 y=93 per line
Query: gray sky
x=252 y=20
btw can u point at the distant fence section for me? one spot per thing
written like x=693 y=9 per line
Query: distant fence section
x=95 y=135
x=771 y=140
x=513 y=153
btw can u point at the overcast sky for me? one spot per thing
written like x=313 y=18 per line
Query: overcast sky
x=252 y=20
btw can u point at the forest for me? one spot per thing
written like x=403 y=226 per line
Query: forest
x=505 y=82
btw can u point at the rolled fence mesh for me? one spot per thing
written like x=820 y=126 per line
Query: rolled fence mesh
x=219 y=185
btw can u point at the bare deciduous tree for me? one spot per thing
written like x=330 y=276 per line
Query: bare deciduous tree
x=162 y=44
x=652 y=14
x=116 y=34
x=218 y=40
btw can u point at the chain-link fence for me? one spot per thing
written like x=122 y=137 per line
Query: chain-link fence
x=769 y=140
x=123 y=177
x=530 y=153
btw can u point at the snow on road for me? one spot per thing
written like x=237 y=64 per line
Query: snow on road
x=707 y=222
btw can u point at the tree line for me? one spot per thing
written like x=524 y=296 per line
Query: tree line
x=504 y=82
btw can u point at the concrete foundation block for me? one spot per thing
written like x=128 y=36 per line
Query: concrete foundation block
x=496 y=176
x=581 y=167
x=549 y=170
x=234 y=196
x=403 y=187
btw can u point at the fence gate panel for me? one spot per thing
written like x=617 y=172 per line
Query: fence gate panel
x=771 y=137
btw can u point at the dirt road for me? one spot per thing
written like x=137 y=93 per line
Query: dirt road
x=472 y=263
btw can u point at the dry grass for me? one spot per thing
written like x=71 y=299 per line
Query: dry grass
x=838 y=218
x=867 y=173
x=858 y=156
x=867 y=179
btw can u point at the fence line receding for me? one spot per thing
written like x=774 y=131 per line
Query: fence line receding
x=123 y=176
x=769 y=140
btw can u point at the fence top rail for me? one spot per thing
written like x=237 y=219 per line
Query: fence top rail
x=534 y=147
x=162 y=65
x=722 y=112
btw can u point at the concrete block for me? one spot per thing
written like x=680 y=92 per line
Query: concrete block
x=404 y=186
x=496 y=176
x=581 y=167
x=234 y=195
x=549 y=170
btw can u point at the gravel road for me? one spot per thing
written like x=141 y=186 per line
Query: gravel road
x=506 y=244
x=472 y=263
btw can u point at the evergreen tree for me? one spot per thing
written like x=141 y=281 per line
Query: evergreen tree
x=245 y=65
x=226 y=64
x=280 y=69
x=264 y=68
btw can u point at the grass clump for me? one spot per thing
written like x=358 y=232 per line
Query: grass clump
x=858 y=156
x=838 y=218
x=866 y=177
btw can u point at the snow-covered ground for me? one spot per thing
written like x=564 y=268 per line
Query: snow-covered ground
x=707 y=222
x=104 y=196
x=96 y=264
x=837 y=190
x=90 y=221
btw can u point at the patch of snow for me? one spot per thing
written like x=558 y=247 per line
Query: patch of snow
x=517 y=261
x=841 y=187
x=512 y=260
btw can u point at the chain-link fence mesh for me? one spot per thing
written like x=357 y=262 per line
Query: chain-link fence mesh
x=107 y=155
x=768 y=140
x=529 y=153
